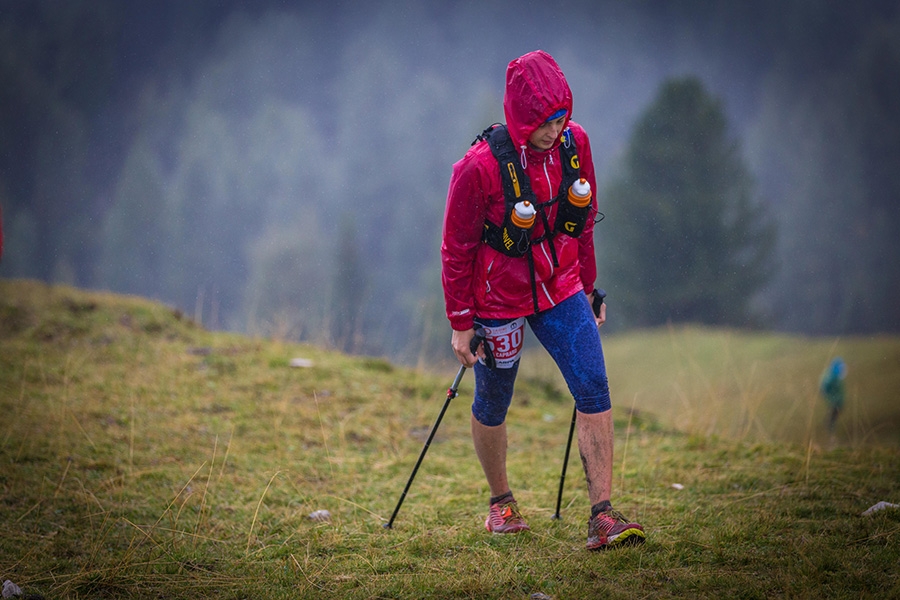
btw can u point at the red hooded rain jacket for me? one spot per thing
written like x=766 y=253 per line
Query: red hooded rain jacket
x=480 y=280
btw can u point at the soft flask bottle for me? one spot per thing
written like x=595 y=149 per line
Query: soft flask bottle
x=517 y=232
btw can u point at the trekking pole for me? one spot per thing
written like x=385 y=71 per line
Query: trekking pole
x=451 y=394
x=562 y=477
x=599 y=295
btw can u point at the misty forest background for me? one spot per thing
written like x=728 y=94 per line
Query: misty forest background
x=281 y=168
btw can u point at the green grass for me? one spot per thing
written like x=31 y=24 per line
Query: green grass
x=758 y=387
x=143 y=457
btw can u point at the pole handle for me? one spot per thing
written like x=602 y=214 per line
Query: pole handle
x=480 y=339
x=597 y=302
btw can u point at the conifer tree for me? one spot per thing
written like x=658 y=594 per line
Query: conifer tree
x=685 y=240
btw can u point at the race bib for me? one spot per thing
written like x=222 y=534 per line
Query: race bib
x=506 y=342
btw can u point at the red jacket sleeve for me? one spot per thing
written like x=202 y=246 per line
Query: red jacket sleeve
x=463 y=228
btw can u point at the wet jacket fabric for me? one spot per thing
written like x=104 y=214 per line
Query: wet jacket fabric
x=479 y=280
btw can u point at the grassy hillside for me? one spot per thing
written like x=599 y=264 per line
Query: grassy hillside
x=758 y=387
x=141 y=456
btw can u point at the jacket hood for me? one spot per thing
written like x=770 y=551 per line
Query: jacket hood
x=535 y=89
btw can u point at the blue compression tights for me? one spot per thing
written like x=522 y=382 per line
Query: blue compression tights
x=569 y=334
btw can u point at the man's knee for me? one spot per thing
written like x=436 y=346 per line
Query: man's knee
x=594 y=404
x=487 y=415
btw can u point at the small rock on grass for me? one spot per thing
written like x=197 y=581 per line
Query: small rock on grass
x=10 y=590
x=880 y=506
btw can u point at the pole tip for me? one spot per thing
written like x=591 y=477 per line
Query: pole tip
x=387 y=526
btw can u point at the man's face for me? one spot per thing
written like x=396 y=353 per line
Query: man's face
x=546 y=135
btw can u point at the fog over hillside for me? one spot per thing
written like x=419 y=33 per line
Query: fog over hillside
x=281 y=167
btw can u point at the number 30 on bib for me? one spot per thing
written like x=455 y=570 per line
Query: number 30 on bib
x=506 y=342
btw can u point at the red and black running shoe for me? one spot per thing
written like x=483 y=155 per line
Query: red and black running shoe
x=609 y=529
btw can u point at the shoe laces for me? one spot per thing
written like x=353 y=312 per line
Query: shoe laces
x=616 y=516
x=607 y=519
x=509 y=512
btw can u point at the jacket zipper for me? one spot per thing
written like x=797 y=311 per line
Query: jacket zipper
x=548 y=240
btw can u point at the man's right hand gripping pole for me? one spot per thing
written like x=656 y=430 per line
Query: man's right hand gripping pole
x=469 y=345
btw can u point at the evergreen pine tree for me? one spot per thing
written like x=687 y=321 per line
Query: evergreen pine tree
x=685 y=240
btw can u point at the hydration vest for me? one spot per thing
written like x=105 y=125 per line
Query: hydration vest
x=510 y=240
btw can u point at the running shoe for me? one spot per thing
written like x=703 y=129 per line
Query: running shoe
x=610 y=528
x=505 y=517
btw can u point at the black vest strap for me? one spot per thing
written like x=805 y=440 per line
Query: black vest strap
x=516 y=185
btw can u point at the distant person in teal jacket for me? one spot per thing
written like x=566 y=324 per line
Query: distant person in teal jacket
x=832 y=387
